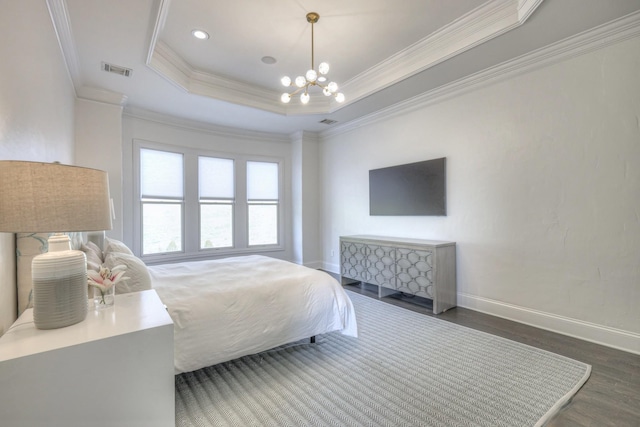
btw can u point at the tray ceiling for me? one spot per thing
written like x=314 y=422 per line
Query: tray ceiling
x=380 y=52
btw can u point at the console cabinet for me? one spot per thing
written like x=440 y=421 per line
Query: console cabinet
x=426 y=268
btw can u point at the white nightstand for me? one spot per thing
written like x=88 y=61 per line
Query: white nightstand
x=115 y=368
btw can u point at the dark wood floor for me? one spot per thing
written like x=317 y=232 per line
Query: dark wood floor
x=611 y=396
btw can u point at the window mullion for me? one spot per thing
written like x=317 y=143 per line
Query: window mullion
x=192 y=205
x=241 y=214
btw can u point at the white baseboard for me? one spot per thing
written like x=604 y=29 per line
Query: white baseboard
x=604 y=335
x=316 y=265
x=334 y=268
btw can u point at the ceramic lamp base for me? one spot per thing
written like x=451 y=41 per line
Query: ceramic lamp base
x=59 y=286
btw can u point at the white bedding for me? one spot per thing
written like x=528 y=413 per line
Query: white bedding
x=225 y=309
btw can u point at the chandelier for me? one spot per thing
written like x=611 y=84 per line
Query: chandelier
x=312 y=77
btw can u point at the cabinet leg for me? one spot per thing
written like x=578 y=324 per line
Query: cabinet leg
x=383 y=292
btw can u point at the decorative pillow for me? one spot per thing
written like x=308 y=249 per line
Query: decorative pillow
x=95 y=249
x=139 y=278
x=113 y=246
x=94 y=256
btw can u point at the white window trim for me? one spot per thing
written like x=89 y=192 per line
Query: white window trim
x=191 y=214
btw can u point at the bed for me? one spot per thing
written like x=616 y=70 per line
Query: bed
x=225 y=309
x=221 y=309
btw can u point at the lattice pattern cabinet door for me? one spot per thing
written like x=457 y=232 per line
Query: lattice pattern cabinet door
x=353 y=259
x=414 y=272
x=381 y=266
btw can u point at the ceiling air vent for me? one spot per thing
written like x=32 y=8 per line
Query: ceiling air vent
x=328 y=121
x=117 y=69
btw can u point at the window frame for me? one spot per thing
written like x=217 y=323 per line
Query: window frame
x=191 y=221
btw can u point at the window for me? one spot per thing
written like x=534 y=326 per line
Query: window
x=216 y=185
x=193 y=203
x=162 y=200
x=262 y=203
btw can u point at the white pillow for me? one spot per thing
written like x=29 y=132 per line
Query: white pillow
x=94 y=256
x=112 y=245
x=139 y=279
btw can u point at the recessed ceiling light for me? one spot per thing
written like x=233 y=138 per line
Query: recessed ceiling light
x=269 y=60
x=200 y=34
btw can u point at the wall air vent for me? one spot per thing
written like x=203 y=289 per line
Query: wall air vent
x=117 y=69
x=328 y=121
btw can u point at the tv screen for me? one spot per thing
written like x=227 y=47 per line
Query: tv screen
x=411 y=189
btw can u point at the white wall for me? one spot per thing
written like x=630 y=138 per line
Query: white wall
x=543 y=190
x=36 y=110
x=305 y=186
x=98 y=139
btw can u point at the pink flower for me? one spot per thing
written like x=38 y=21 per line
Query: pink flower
x=106 y=278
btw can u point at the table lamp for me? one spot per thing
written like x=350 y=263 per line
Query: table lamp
x=54 y=198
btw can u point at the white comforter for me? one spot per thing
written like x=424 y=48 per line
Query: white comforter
x=225 y=309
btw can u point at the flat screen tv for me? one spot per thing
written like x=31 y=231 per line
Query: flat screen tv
x=412 y=189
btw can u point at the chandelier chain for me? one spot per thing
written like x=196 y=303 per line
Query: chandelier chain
x=312 y=46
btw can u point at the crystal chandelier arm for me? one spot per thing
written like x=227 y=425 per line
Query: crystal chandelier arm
x=298 y=90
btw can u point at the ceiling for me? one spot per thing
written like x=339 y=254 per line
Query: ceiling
x=381 y=52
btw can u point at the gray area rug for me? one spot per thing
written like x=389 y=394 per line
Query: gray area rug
x=405 y=369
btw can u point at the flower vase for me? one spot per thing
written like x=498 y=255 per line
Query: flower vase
x=103 y=299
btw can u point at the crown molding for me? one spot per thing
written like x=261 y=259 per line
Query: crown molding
x=166 y=62
x=490 y=20
x=599 y=37
x=101 y=95
x=62 y=27
x=161 y=17
x=223 y=131
x=236 y=92
x=526 y=8
x=478 y=26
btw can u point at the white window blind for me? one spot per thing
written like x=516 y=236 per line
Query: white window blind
x=216 y=178
x=161 y=174
x=262 y=181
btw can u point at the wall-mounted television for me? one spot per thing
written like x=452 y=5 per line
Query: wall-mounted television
x=412 y=189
